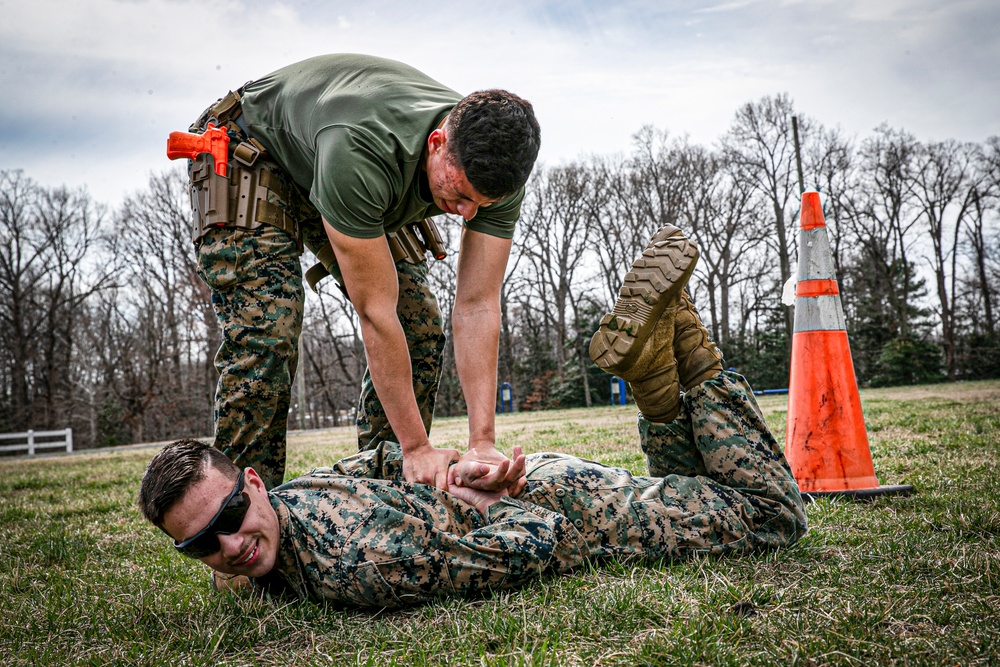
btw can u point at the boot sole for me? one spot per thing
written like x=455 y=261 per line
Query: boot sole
x=656 y=279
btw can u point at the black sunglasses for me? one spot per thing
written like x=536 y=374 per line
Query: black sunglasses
x=226 y=521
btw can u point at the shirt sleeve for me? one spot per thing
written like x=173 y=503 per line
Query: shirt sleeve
x=405 y=560
x=383 y=462
x=352 y=199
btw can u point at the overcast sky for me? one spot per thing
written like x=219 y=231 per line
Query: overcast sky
x=90 y=89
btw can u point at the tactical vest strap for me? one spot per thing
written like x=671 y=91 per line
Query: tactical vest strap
x=228 y=113
x=228 y=108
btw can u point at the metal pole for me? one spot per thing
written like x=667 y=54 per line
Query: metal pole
x=798 y=153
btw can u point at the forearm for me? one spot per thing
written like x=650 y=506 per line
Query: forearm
x=482 y=262
x=389 y=365
x=373 y=284
x=520 y=542
x=476 y=333
x=399 y=557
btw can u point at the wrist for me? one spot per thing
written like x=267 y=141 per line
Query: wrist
x=414 y=447
x=482 y=445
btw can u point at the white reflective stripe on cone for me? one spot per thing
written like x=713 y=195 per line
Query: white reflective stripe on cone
x=815 y=258
x=819 y=313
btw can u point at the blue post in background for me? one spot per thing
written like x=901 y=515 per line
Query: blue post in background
x=506 y=398
x=617 y=391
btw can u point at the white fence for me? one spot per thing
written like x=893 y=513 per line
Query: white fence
x=35 y=440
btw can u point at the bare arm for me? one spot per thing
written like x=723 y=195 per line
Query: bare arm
x=482 y=261
x=370 y=279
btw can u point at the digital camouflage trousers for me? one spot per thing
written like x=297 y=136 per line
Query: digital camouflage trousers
x=258 y=296
x=718 y=482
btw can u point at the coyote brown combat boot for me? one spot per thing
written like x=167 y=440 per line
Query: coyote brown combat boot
x=653 y=377
x=698 y=358
x=635 y=340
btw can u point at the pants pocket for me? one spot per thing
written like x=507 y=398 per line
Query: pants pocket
x=226 y=258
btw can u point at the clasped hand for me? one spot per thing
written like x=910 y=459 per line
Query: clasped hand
x=483 y=469
x=481 y=481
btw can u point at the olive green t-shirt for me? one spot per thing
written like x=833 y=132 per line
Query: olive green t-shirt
x=351 y=130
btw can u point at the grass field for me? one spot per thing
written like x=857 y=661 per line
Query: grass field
x=905 y=581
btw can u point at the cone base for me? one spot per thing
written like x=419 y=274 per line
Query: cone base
x=860 y=494
x=811 y=484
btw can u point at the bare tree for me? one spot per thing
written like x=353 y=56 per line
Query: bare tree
x=620 y=228
x=882 y=218
x=831 y=165
x=556 y=244
x=160 y=325
x=634 y=196
x=333 y=360
x=654 y=171
x=760 y=149
x=78 y=268
x=945 y=193
x=983 y=242
x=719 y=214
x=51 y=263
x=23 y=259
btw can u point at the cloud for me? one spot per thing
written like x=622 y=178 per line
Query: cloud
x=726 y=7
x=90 y=90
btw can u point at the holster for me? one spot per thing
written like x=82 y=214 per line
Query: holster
x=255 y=193
x=248 y=198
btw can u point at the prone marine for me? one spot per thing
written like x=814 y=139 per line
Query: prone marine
x=359 y=534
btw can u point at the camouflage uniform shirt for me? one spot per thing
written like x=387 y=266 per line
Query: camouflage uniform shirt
x=382 y=543
x=358 y=534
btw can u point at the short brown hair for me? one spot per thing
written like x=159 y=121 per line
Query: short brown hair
x=494 y=137
x=175 y=469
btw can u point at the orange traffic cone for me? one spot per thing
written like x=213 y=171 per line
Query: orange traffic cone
x=826 y=441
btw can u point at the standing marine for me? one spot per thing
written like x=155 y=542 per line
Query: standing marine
x=349 y=156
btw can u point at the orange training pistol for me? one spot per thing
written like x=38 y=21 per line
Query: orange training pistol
x=215 y=140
